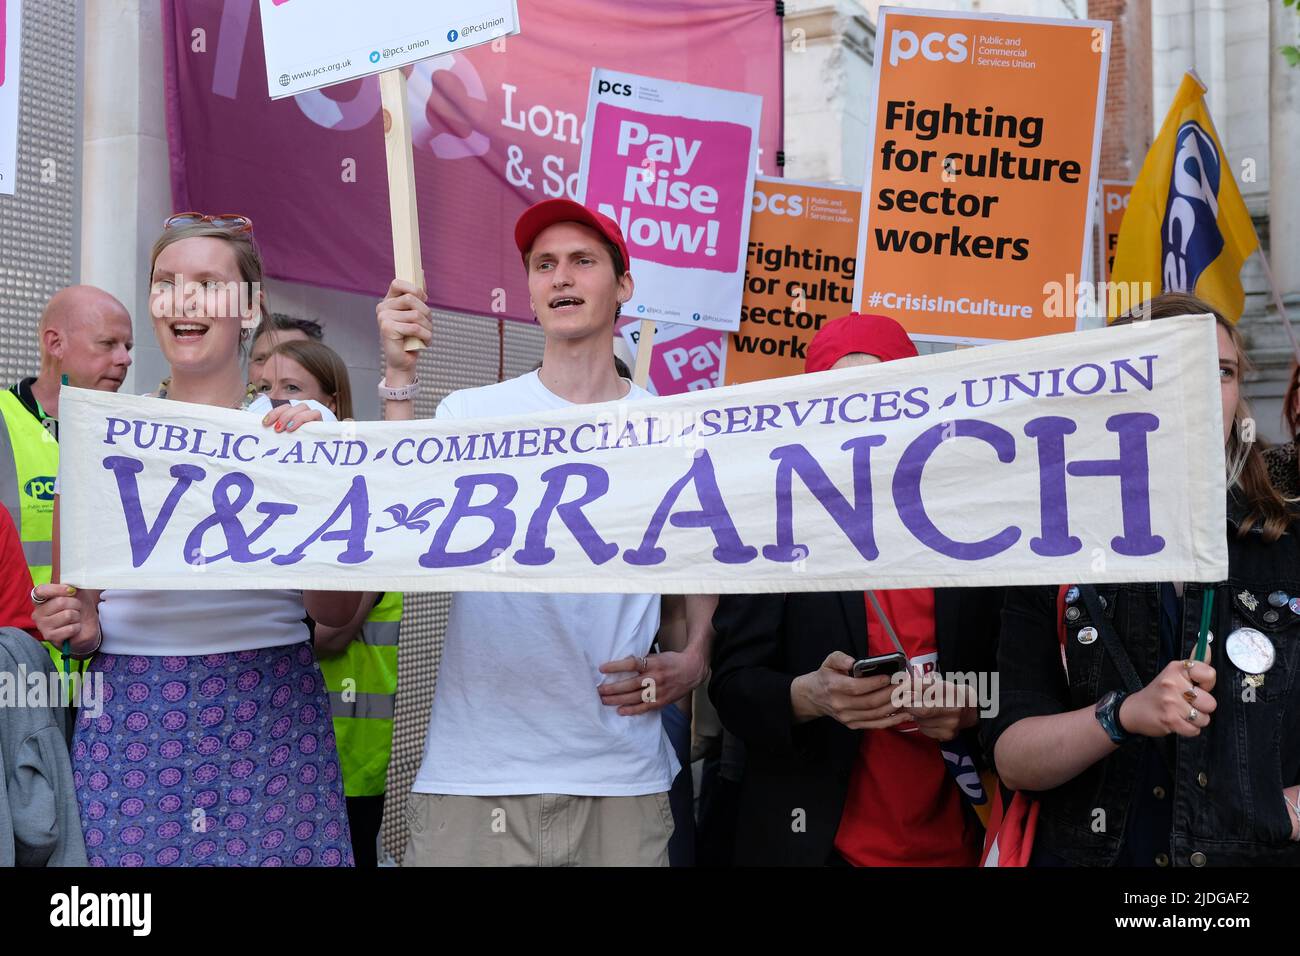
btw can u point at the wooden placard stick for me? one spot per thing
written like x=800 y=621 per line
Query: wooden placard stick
x=645 y=346
x=401 y=185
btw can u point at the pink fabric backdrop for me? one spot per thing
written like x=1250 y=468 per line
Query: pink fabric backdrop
x=287 y=163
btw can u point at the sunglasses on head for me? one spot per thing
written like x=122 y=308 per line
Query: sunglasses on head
x=233 y=223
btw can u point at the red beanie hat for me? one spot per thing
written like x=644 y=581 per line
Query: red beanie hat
x=877 y=335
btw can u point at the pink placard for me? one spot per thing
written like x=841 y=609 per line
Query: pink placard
x=675 y=185
x=688 y=363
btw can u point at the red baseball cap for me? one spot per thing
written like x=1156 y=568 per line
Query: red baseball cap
x=550 y=211
x=877 y=335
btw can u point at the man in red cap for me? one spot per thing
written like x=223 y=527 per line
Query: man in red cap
x=525 y=761
x=857 y=339
x=872 y=769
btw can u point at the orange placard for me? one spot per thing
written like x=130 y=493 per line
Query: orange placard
x=1114 y=202
x=799 y=274
x=981 y=173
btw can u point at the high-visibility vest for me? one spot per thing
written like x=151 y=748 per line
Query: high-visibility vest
x=29 y=463
x=362 y=684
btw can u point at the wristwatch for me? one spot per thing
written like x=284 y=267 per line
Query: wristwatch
x=1107 y=714
x=400 y=393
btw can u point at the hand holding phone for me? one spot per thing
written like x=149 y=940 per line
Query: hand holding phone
x=886 y=664
x=832 y=691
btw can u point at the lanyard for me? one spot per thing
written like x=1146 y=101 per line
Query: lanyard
x=1207 y=610
x=889 y=628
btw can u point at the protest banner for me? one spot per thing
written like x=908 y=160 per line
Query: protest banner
x=1023 y=463
x=683 y=359
x=314 y=43
x=673 y=165
x=11 y=27
x=496 y=128
x=981 y=173
x=802 y=243
x=1114 y=202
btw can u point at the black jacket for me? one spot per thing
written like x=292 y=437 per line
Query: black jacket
x=765 y=641
x=1227 y=798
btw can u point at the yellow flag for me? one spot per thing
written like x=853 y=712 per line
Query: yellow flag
x=1186 y=228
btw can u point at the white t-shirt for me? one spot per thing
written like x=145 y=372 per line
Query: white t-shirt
x=187 y=623
x=516 y=709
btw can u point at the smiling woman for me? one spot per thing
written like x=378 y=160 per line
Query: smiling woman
x=209 y=692
x=206 y=299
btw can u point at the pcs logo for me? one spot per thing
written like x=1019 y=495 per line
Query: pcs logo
x=40 y=488
x=1189 y=237
x=905 y=45
x=778 y=204
x=618 y=89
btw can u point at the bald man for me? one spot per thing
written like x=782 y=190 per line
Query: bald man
x=85 y=334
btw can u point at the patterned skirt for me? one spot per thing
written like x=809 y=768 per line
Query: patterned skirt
x=217 y=760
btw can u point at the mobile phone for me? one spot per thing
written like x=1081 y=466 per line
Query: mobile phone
x=887 y=664
x=277 y=402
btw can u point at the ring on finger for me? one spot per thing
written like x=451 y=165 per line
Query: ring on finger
x=1192 y=714
x=1189 y=695
x=642 y=663
x=37 y=599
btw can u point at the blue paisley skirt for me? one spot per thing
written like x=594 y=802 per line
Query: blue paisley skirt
x=213 y=760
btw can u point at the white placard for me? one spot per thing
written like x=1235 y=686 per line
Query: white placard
x=315 y=43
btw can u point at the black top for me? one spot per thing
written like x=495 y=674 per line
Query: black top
x=1226 y=804
x=765 y=641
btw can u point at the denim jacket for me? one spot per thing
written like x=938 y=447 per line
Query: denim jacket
x=1228 y=807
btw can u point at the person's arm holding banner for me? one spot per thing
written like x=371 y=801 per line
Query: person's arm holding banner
x=1055 y=744
x=65 y=613
x=402 y=315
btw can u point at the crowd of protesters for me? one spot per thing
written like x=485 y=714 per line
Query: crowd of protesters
x=224 y=735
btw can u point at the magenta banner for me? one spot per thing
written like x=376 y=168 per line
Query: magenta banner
x=496 y=129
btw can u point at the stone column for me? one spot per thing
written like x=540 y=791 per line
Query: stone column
x=126 y=191
x=828 y=49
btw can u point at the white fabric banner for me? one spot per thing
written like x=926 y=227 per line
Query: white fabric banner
x=1087 y=457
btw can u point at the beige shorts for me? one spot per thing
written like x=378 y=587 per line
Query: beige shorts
x=537 y=830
